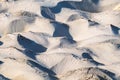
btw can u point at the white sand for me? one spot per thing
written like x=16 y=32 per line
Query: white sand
x=82 y=42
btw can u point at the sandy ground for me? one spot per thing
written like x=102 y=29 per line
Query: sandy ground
x=59 y=40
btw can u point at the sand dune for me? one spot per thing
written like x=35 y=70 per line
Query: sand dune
x=59 y=40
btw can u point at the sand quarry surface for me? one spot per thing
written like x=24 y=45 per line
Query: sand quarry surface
x=59 y=39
